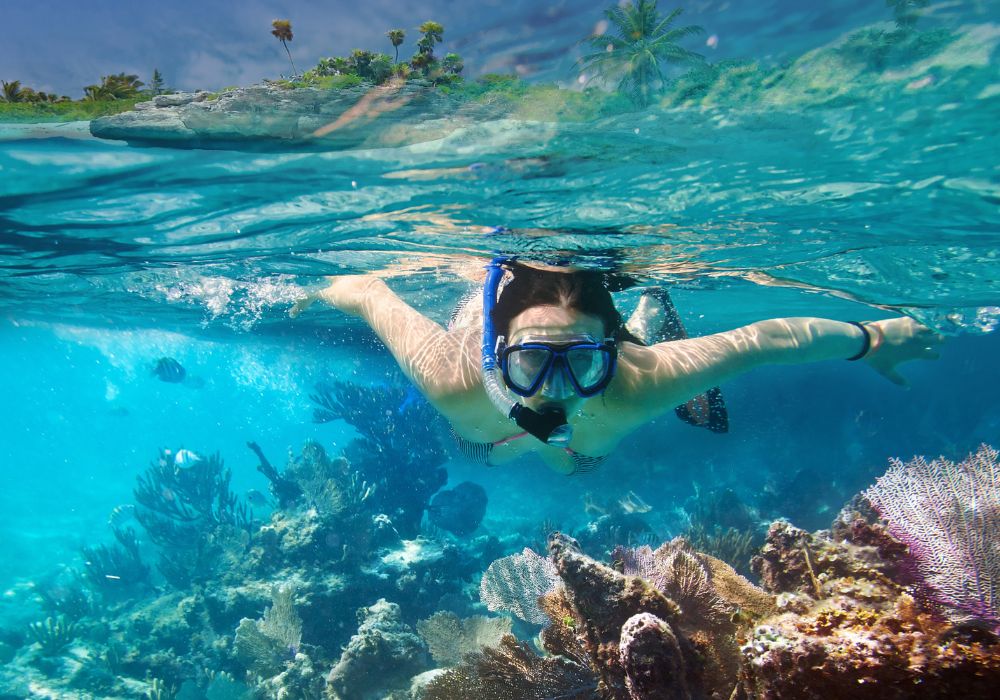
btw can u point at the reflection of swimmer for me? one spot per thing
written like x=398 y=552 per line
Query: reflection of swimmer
x=512 y=168
x=550 y=367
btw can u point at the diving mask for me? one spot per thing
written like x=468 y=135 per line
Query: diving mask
x=578 y=365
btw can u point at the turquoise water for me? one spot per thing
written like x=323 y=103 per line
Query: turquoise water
x=881 y=203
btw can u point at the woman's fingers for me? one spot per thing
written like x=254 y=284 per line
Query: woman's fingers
x=301 y=305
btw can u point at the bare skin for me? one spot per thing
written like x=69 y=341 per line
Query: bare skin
x=445 y=365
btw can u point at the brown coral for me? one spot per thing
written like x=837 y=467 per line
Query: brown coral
x=864 y=636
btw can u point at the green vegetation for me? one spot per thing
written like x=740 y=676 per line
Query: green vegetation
x=878 y=49
x=65 y=110
x=114 y=87
x=114 y=94
x=156 y=83
x=639 y=43
x=364 y=66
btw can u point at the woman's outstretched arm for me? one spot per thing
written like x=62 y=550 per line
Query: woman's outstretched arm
x=659 y=377
x=433 y=359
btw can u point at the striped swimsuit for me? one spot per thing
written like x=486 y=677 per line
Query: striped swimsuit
x=479 y=452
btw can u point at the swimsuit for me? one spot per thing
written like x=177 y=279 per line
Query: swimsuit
x=479 y=452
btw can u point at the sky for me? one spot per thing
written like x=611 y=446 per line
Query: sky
x=62 y=45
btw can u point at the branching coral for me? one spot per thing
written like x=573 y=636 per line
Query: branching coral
x=186 y=511
x=396 y=452
x=735 y=547
x=513 y=670
x=116 y=570
x=53 y=635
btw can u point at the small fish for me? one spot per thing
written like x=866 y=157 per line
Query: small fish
x=185 y=459
x=169 y=370
x=257 y=499
x=631 y=503
x=121 y=515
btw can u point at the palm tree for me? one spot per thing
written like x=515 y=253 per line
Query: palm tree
x=12 y=91
x=433 y=33
x=114 y=87
x=640 y=43
x=282 y=29
x=396 y=36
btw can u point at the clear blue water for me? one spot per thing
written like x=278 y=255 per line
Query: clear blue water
x=112 y=257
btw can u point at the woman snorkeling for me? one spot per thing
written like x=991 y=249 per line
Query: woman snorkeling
x=547 y=364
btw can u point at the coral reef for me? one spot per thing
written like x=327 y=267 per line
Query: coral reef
x=610 y=633
x=53 y=635
x=515 y=583
x=383 y=655
x=298 y=607
x=264 y=645
x=396 y=451
x=850 y=629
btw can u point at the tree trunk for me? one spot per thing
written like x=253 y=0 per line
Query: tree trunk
x=294 y=72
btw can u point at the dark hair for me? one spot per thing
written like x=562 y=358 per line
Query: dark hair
x=585 y=291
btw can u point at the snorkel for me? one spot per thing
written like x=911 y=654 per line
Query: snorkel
x=550 y=426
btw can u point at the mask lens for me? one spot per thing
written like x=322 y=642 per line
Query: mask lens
x=589 y=366
x=524 y=366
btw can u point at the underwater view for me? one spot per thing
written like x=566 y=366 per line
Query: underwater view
x=616 y=350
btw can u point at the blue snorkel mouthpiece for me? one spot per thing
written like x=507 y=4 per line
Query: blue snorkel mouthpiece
x=550 y=424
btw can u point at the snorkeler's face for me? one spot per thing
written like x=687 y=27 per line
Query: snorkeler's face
x=554 y=324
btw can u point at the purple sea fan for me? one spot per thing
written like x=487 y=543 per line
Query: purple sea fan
x=949 y=516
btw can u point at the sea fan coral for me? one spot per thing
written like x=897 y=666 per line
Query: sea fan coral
x=515 y=583
x=449 y=638
x=949 y=516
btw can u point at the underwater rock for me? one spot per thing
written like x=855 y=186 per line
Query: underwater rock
x=262 y=116
x=853 y=630
x=652 y=659
x=459 y=510
x=382 y=656
x=605 y=600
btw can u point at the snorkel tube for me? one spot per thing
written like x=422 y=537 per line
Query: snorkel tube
x=550 y=426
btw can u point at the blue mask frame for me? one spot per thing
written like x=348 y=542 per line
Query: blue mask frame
x=557 y=361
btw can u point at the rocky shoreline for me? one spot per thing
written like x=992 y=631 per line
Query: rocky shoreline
x=268 y=116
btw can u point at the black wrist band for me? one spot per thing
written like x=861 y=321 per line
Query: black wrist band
x=868 y=341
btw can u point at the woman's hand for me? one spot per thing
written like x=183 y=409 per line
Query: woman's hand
x=346 y=293
x=898 y=340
